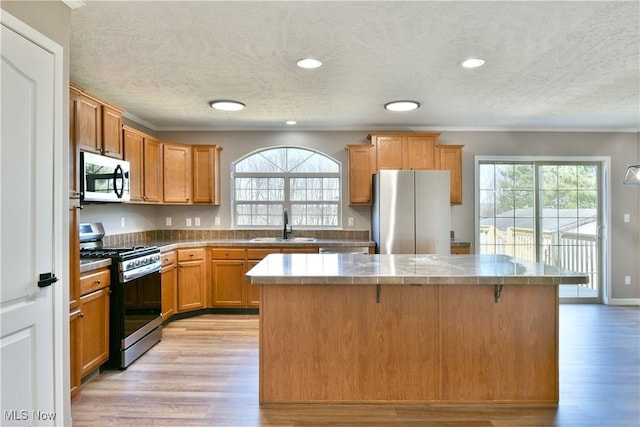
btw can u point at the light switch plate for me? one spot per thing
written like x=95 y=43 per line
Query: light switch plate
x=122 y=224
x=188 y=222
x=216 y=220
x=167 y=221
x=352 y=222
x=627 y=218
x=197 y=221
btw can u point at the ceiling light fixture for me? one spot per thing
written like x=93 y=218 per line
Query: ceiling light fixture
x=401 y=105
x=226 y=105
x=309 y=63
x=473 y=63
x=291 y=122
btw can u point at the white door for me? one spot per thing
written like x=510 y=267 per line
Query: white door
x=27 y=233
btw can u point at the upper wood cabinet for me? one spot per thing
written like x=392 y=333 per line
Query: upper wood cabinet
x=404 y=150
x=177 y=175
x=144 y=154
x=360 y=173
x=206 y=174
x=449 y=157
x=411 y=151
x=97 y=125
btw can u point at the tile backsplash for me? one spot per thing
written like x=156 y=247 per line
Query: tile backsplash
x=195 y=235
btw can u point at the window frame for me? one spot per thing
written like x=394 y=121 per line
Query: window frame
x=604 y=209
x=287 y=202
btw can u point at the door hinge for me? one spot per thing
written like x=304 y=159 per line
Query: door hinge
x=47 y=279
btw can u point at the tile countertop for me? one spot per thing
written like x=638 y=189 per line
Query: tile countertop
x=246 y=243
x=342 y=269
x=90 y=264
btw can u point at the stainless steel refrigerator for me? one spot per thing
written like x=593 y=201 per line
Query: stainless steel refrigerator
x=411 y=212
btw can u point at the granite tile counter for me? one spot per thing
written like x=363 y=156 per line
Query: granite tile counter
x=165 y=245
x=342 y=269
x=90 y=264
x=408 y=328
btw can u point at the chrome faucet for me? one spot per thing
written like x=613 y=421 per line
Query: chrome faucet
x=287 y=228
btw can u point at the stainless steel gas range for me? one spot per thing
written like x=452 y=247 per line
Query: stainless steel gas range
x=135 y=323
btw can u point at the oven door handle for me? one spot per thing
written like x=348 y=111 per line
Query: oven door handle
x=127 y=276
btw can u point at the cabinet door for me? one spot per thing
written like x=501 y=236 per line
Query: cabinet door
x=228 y=281
x=450 y=158
x=360 y=174
x=74 y=259
x=74 y=158
x=94 y=330
x=191 y=278
x=152 y=170
x=253 y=291
x=74 y=351
x=111 y=132
x=88 y=123
x=176 y=160
x=420 y=152
x=206 y=174
x=389 y=152
x=133 y=153
x=169 y=277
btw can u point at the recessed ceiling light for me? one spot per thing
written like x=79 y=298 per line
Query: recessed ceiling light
x=227 y=105
x=473 y=63
x=401 y=105
x=308 y=63
x=291 y=122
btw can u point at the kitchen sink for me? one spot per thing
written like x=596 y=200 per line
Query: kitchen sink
x=281 y=240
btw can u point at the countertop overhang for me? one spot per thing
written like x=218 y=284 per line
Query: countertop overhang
x=358 y=269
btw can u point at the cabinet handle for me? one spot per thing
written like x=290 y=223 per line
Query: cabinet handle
x=81 y=315
x=97 y=282
x=190 y=254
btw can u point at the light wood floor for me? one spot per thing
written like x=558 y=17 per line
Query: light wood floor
x=205 y=373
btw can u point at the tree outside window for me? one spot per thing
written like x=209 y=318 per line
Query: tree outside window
x=305 y=181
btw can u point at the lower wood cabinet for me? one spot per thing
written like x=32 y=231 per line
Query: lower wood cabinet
x=169 y=284
x=94 y=330
x=74 y=353
x=89 y=327
x=191 y=279
x=227 y=277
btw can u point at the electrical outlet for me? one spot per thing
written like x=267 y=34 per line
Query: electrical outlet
x=352 y=222
x=122 y=225
x=197 y=221
x=188 y=222
x=216 y=220
x=627 y=280
x=627 y=218
x=167 y=221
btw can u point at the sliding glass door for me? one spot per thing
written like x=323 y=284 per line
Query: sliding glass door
x=544 y=211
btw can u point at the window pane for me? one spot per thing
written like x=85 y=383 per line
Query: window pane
x=487 y=176
x=284 y=182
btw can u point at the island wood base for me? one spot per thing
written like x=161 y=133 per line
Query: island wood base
x=403 y=343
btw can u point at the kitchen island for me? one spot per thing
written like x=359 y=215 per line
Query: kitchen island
x=408 y=328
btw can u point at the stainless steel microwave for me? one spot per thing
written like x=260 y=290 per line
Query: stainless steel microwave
x=103 y=179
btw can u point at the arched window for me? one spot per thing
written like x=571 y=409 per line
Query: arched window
x=305 y=181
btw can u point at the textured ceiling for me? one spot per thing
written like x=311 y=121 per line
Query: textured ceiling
x=550 y=65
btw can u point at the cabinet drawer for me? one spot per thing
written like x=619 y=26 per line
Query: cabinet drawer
x=457 y=250
x=190 y=254
x=93 y=281
x=168 y=258
x=226 y=253
x=261 y=253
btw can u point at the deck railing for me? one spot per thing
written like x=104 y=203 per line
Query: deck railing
x=571 y=251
